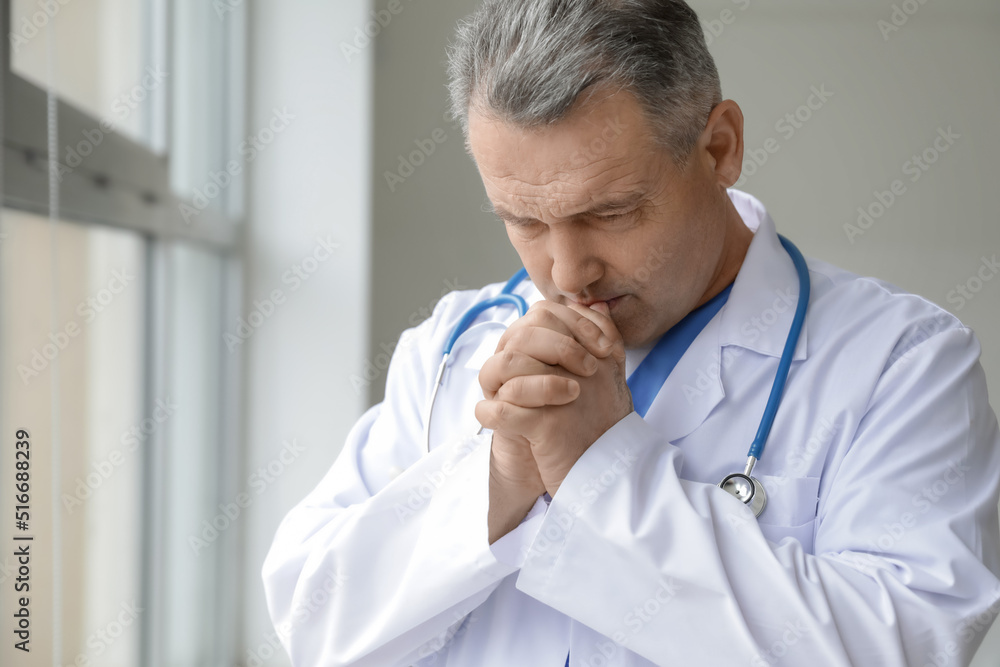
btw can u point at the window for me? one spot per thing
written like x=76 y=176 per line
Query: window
x=117 y=274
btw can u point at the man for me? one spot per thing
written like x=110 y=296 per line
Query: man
x=577 y=531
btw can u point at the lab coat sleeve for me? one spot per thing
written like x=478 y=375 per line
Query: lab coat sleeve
x=381 y=570
x=906 y=542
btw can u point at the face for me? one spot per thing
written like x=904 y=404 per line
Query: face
x=597 y=212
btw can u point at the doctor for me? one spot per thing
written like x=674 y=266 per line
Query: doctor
x=577 y=531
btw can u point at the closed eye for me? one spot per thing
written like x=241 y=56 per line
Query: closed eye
x=618 y=217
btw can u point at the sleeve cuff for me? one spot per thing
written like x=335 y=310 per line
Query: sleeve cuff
x=512 y=548
x=603 y=466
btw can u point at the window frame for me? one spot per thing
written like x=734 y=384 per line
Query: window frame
x=126 y=185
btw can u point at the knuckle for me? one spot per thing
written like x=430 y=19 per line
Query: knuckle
x=569 y=348
x=519 y=338
x=508 y=359
x=541 y=306
x=505 y=391
x=591 y=329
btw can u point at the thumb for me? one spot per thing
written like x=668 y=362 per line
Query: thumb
x=602 y=308
x=618 y=350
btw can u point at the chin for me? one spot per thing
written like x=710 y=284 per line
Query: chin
x=632 y=338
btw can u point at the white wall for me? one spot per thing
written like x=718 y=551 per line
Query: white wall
x=311 y=181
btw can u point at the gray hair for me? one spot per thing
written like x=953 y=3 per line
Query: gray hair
x=526 y=62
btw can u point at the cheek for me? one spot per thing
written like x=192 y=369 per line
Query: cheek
x=647 y=260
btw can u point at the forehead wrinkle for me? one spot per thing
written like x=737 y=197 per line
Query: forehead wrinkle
x=562 y=200
x=571 y=196
x=542 y=206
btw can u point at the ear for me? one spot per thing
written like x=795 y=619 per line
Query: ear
x=721 y=142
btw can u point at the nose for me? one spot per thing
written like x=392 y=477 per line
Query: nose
x=574 y=264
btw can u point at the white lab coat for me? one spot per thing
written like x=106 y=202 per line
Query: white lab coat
x=879 y=544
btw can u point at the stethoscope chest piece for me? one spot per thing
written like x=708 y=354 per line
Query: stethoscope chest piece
x=747 y=490
x=742 y=485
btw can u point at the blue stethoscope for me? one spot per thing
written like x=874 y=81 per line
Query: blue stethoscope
x=741 y=485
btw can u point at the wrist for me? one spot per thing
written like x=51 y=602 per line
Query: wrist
x=508 y=505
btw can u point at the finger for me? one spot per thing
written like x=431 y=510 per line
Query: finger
x=600 y=315
x=554 y=349
x=536 y=391
x=563 y=319
x=538 y=315
x=503 y=416
x=602 y=308
x=507 y=364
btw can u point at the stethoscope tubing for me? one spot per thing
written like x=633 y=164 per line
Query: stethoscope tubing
x=787 y=354
x=752 y=492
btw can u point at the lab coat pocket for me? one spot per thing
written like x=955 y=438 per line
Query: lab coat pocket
x=790 y=510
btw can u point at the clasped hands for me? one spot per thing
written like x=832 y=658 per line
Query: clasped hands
x=555 y=385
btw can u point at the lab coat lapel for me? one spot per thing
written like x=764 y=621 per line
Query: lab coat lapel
x=762 y=304
x=757 y=317
x=693 y=388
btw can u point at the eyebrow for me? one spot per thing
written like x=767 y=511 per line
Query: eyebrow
x=615 y=204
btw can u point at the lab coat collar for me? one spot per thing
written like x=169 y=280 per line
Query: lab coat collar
x=757 y=317
x=761 y=306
